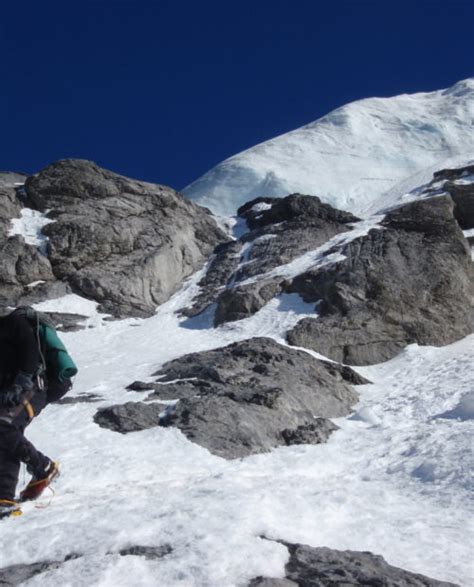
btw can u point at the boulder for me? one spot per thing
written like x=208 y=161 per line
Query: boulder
x=326 y=567
x=124 y=243
x=410 y=281
x=245 y=398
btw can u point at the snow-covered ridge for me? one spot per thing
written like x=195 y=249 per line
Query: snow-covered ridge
x=351 y=156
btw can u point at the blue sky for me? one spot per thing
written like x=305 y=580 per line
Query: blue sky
x=162 y=91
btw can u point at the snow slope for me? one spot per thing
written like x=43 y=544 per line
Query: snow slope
x=393 y=480
x=352 y=156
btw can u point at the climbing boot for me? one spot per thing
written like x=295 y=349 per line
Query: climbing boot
x=39 y=482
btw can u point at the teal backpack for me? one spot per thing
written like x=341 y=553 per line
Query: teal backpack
x=57 y=364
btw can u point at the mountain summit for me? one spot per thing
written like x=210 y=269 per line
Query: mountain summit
x=351 y=156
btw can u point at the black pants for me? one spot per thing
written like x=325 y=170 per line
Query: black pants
x=16 y=449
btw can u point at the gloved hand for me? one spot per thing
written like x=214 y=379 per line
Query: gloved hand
x=11 y=397
x=24 y=380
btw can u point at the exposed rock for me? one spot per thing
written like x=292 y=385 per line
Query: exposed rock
x=266 y=582
x=412 y=281
x=243 y=301
x=130 y=417
x=64 y=322
x=141 y=386
x=293 y=208
x=20 y=266
x=244 y=398
x=222 y=266
x=315 y=433
x=12 y=179
x=147 y=552
x=26 y=276
x=345 y=373
x=324 y=567
x=40 y=291
x=10 y=207
x=82 y=398
x=459 y=184
x=179 y=390
x=455 y=173
x=125 y=243
x=463 y=197
x=280 y=231
x=17 y=574
x=168 y=391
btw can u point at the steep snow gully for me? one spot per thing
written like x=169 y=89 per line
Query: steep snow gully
x=153 y=507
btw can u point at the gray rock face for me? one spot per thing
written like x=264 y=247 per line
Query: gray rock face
x=324 y=567
x=280 y=231
x=245 y=398
x=125 y=243
x=410 y=282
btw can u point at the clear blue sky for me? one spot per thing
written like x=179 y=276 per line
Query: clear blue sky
x=162 y=90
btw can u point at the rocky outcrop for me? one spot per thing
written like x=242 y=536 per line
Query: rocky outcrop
x=279 y=231
x=325 y=567
x=125 y=243
x=245 y=398
x=411 y=281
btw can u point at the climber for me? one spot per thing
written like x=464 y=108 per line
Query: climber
x=23 y=395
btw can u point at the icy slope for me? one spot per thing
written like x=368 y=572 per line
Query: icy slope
x=393 y=480
x=351 y=156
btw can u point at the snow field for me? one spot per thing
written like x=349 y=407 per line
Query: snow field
x=399 y=488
